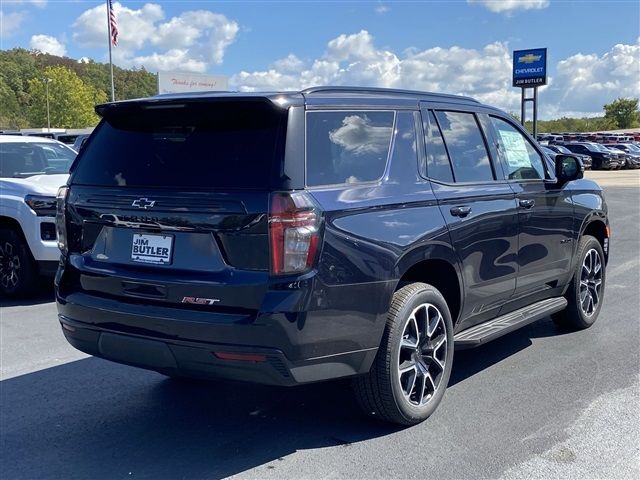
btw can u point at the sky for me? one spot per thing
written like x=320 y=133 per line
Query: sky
x=457 y=46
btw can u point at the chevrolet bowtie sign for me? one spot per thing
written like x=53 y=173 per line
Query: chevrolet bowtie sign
x=530 y=67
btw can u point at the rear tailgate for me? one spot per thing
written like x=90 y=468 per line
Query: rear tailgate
x=168 y=203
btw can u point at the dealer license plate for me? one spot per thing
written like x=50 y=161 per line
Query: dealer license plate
x=154 y=249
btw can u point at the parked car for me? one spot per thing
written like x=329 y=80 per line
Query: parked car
x=66 y=138
x=288 y=238
x=585 y=159
x=31 y=171
x=621 y=156
x=49 y=135
x=632 y=152
x=80 y=141
x=555 y=139
x=602 y=158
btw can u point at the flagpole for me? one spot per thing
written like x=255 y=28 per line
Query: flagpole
x=113 y=92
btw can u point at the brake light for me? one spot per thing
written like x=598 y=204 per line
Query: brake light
x=294 y=232
x=61 y=218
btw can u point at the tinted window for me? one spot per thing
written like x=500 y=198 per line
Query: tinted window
x=577 y=148
x=466 y=146
x=26 y=159
x=438 y=166
x=206 y=145
x=521 y=159
x=347 y=147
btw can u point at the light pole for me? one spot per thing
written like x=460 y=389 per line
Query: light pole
x=46 y=85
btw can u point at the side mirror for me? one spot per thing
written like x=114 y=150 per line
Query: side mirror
x=568 y=168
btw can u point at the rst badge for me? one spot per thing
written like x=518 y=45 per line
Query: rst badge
x=200 y=301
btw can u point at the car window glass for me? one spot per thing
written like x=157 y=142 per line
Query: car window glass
x=438 y=165
x=405 y=150
x=466 y=146
x=347 y=147
x=192 y=145
x=26 y=159
x=523 y=162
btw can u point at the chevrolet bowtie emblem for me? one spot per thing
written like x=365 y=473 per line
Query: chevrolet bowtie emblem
x=143 y=203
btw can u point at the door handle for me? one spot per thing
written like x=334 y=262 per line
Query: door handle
x=460 y=211
x=527 y=203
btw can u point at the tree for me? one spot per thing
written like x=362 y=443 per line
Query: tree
x=623 y=112
x=71 y=101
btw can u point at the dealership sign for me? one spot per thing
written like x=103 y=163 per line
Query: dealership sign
x=530 y=67
x=178 y=82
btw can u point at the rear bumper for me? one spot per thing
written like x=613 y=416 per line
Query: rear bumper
x=212 y=345
x=211 y=361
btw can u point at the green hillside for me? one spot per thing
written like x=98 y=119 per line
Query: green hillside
x=74 y=88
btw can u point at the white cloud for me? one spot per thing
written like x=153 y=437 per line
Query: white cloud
x=289 y=64
x=135 y=27
x=174 y=59
x=48 y=44
x=10 y=22
x=581 y=86
x=355 y=60
x=502 y=6
x=192 y=41
x=381 y=9
x=586 y=82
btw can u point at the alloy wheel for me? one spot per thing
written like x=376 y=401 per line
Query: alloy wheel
x=9 y=266
x=422 y=354
x=590 y=282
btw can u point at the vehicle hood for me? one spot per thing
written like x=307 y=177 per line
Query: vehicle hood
x=38 y=184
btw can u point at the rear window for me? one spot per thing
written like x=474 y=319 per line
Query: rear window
x=187 y=145
x=347 y=146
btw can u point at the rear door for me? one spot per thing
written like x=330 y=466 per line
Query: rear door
x=479 y=210
x=169 y=201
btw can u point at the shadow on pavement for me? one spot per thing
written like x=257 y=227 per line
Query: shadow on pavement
x=43 y=293
x=467 y=363
x=96 y=419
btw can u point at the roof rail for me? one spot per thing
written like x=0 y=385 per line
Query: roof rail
x=348 y=89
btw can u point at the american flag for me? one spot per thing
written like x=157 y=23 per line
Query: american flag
x=113 y=24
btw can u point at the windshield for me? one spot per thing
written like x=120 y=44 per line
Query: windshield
x=630 y=147
x=20 y=160
x=596 y=147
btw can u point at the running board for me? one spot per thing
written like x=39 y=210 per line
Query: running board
x=487 y=331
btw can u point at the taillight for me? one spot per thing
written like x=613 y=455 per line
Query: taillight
x=294 y=232
x=61 y=219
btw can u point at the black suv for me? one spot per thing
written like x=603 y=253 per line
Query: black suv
x=602 y=158
x=286 y=238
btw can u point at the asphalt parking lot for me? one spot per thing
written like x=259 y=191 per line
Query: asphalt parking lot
x=537 y=403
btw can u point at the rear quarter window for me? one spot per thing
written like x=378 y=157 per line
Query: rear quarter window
x=347 y=146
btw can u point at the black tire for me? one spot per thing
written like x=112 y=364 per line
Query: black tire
x=382 y=392
x=576 y=316
x=18 y=272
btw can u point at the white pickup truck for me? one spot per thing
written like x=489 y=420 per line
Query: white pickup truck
x=31 y=171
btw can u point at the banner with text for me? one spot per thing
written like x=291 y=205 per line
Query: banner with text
x=178 y=82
